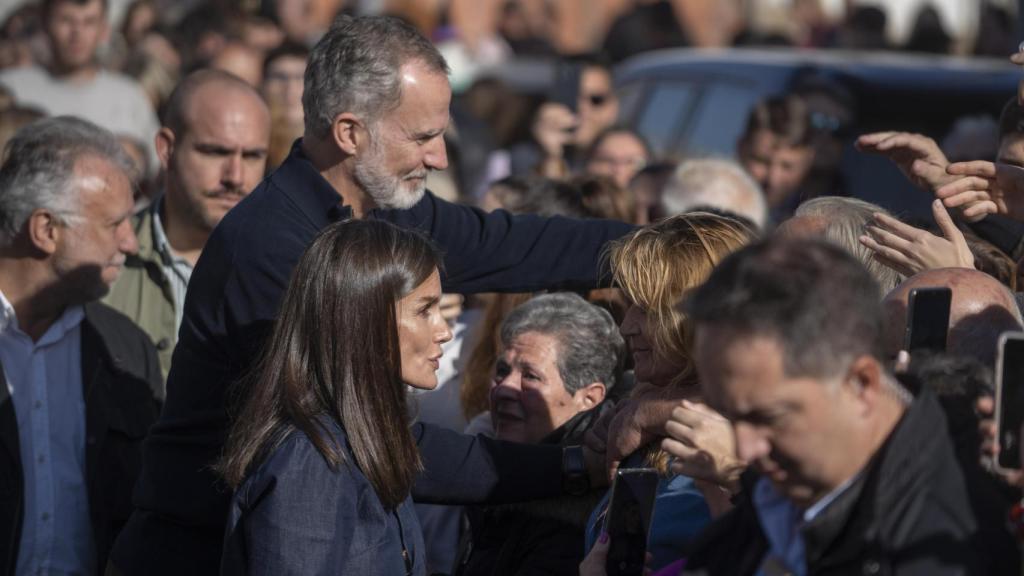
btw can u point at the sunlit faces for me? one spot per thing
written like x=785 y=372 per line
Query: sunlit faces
x=778 y=168
x=91 y=248
x=648 y=365
x=620 y=155
x=76 y=31
x=528 y=395
x=597 y=105
x=283 y=85
x=220 y=157
x=800 y=433
x=408 y=142
x=421 y=332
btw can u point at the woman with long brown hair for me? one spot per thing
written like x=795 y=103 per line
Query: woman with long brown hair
x=320 y=454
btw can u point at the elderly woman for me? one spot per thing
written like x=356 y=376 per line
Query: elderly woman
x=657 y=266
x=559 y=357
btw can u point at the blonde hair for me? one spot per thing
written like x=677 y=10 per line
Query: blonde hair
x=658 y=265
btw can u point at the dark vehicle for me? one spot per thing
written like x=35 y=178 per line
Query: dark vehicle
x=695 y=102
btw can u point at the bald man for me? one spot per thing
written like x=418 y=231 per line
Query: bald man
x=981 y=310
x=213 y=151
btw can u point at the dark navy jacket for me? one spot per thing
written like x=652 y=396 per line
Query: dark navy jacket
x=295 y=515
x=233 y=297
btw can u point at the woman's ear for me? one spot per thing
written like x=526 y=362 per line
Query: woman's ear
x=590 y=395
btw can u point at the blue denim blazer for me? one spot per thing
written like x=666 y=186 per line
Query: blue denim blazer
x=294 y=515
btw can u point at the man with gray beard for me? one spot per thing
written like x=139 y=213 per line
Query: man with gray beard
x=376 y=102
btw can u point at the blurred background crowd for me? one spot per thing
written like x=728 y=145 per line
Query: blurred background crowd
x=504 y=55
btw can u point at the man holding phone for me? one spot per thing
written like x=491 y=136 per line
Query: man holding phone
x=851 y=474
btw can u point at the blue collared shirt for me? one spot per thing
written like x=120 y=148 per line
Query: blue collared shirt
x=781 y=522
x=44 y=379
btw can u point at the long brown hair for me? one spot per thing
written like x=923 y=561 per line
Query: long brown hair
x=334 y=353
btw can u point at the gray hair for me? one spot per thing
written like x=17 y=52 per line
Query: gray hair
x=355 y=68
x=845 y=219
x=39 y=169
x=715 y=183
x=590 y=348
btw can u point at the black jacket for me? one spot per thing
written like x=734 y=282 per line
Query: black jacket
x=120 y=382
x=543 y=537
x=233 y=296
x=909 y=513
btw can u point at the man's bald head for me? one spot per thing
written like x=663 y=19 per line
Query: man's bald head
x=981 y=309
x=198 y=86
x=212 y=147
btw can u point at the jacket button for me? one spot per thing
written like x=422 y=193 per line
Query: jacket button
x=163 y=344
x=872 y=567
x=91 y=440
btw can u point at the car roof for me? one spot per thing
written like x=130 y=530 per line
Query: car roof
x=895 y=70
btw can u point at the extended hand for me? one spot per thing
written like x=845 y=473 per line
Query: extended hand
x=910 y=250
x=703 y=444
x=985 y=188
x=640 y=420
x=916 y=155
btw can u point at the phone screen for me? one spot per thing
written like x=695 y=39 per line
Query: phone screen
x=566 y=87
x=1010 y=398
x=928 y=319
x=629 y=519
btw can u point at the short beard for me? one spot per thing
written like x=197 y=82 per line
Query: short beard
x=385 y=189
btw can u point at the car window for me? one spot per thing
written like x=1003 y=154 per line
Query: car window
x=663 y=115
x=720 y=119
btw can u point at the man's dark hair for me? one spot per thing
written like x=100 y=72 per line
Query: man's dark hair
x=785 y=117
x=1011 y=119
x=818 y=302
x=48 y=6
x=287 y=49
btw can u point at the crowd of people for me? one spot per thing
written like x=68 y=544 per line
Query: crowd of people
x=239 y=334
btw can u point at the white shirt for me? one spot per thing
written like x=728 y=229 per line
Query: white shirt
x=111 y=100
x=177 y=270
x=44 y=379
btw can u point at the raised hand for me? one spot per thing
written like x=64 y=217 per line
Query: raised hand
x=984 y=188
x=639 y=420
x=916 y=155
x=910 y=250
x=703 y=444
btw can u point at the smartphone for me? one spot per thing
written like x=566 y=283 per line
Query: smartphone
x=928 y=319
x=1009 y=399
x=565 y=90
x=629 y=520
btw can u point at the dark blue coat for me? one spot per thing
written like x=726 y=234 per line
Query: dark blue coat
x=295 y=515
x=232 y=299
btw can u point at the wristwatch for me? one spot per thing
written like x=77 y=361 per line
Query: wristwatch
x=575 y=480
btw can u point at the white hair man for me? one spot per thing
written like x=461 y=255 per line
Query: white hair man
x=715 y=183
x=80 y=380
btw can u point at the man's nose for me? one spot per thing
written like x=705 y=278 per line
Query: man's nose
x=231 y=174
x=750 y=445
x=436 y=155
x=129 y=243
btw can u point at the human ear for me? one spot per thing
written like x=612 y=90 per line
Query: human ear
x=349 y=133
x=44 y=230
x=865 y=380
x=164 y=141
x=590 y=395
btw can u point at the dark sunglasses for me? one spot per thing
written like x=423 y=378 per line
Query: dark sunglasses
x=598 y=99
